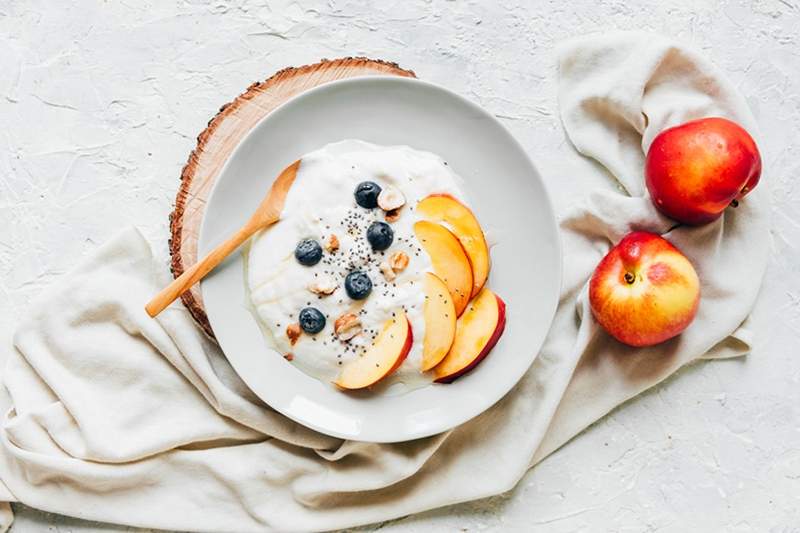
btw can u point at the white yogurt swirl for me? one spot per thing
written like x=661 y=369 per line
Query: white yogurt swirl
x=320 y=204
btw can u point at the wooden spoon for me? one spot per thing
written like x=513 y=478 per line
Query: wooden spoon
x=268 y=212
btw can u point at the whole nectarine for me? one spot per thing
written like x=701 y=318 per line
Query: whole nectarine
x=644 y=291
x=695 y=170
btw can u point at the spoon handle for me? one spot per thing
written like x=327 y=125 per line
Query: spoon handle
x=198 y=271
x=268 y=212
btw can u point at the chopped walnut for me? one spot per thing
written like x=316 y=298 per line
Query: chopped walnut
x=293 y=332
x=323 y=286
x=387 y=271
x=332 y=244
x=347 y=326
x=391 y=198
x=398 y=261
x=392 y=215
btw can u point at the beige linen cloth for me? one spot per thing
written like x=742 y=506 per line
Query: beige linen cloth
x=120 y=418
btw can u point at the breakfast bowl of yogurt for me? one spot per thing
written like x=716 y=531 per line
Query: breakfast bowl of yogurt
x=376 y=272
x=414 y=271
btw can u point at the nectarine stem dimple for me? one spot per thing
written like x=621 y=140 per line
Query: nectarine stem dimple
x=629 y=278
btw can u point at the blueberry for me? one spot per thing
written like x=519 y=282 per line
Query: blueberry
x=312 y=320
x=358 y=285
x=308 y=252
x=367 y=194
x=380 y=235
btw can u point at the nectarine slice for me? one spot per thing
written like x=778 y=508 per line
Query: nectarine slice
x=460 y=219
x=477 y=331
x=382 y=358
x=440 y=321
x=449 y=260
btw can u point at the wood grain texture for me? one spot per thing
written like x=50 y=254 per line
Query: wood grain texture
x=224 y=132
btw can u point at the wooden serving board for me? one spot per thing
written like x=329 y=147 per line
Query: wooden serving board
x=224 y=132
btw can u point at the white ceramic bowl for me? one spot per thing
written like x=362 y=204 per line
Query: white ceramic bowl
x=508 y=198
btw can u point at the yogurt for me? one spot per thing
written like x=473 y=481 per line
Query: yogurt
x=321 y=204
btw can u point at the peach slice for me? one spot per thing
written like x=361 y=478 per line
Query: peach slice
x=385 y=355
x=440 y=321
x=460 y=219
x=477 y=331
x=450 y=262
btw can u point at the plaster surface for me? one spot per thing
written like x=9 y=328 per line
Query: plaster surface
x=100 y=103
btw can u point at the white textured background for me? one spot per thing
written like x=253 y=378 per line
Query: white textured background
x=100 y=103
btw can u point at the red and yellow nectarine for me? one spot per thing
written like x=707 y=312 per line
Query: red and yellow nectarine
x=644 y=291
x=695 y=170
